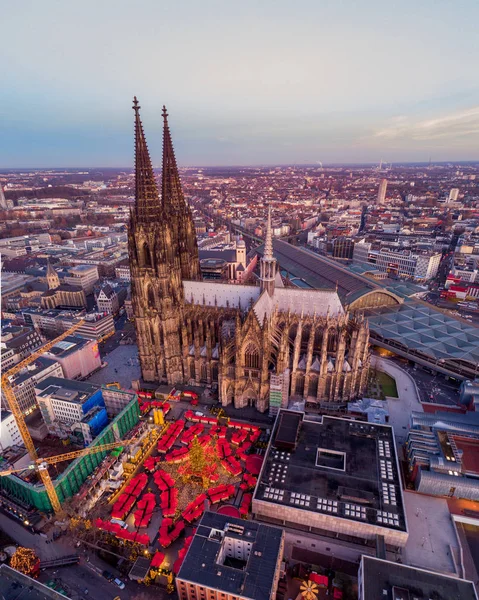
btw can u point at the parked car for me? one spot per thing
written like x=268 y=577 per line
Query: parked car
x=119 y=583
x=108 y=575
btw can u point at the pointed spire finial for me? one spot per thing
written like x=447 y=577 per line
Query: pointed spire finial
x=165 y=115
x=147 y=203
x=268 y=245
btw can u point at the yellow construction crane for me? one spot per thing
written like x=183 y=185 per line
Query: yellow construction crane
x=41 y=464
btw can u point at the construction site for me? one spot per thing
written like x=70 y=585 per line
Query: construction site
x=139 y=487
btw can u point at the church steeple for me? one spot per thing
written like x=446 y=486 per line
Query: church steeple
x=53 y=281
x=171 y=192
x=268 y=262
x=177 y=210
x=147 y=208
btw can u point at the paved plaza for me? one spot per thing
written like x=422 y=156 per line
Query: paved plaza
x=123 y=366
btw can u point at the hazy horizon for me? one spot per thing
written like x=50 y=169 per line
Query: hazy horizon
x=256 y=84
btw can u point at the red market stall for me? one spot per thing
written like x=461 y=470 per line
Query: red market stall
x=144 y=510
x=245 y=504
x=194 y=431
x=177 y=455
x=220 y=493
x=195 y=509
x=168 y=532
x=157 y=560
x=163 y=480
x=170 y=436
x=249 y=482
x=239 y=437
x=169 y=502
x=321 y=580
x=254 y=463
x=151 y=462
x=182 y=553
x=231 y=465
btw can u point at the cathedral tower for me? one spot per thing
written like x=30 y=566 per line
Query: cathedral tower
x=177 y=210
x=163 y=252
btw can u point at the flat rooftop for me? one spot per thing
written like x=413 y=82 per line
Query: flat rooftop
x=68 y=390
x=337 y=466
x=70 y=344
x=470 y=454
x=393 y=581
x=203 y=564
x=16 y=586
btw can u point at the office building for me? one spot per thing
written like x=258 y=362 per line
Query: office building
x=383 y=185
x=453 y=195
x=231 y=559
x=78 y=357
x=21 y=340
x=9 y=432
x=72 y=408
x=419 y=265
x=109 y=299
x=84 y=276
x=3 y=200
x=23 y=383
x=333 y=477
x=383 y=580
x=442 y=451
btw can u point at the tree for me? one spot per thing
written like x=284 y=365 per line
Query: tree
x=202 y=462
x=25 y=560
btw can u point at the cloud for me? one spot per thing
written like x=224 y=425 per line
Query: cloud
x=456 y=125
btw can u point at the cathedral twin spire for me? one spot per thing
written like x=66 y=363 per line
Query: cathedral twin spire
x=148 y=208
x=148 y=205
x=175 y=234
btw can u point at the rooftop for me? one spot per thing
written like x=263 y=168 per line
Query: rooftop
x=419 y=327
x=67 y=346
x=206 y=562
x=345 y=468
x=16 y=586
x=319 y=271
x=393 y=581
x=82 y=268
x=41 y=363
x=66 y=389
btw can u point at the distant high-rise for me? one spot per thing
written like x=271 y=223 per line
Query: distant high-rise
x=3 y=200
x=453 y=195
x=382 y=191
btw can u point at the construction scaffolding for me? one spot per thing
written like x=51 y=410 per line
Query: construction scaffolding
x=70 y=481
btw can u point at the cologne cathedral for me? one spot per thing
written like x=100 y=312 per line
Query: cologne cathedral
x=258 y=343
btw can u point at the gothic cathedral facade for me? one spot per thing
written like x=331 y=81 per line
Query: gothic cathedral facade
x=244 y=338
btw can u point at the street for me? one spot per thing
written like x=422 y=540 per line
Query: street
x=87 y=575
x=399 y=408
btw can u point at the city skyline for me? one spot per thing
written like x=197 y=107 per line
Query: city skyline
x=331 y=83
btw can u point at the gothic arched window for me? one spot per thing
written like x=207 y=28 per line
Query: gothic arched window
x=151 y=297
x=251 y=356
x=146 y=255
x=299 y=385
x=332 y=340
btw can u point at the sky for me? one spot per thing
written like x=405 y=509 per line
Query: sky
x=245 y=82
